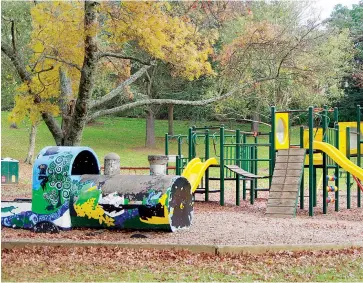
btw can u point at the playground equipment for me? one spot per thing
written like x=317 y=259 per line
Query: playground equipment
x=68 y=191
x=195 y=170
x=239 y=153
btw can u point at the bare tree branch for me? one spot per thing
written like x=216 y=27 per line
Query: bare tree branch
x=313 y=27
x=119 y=89
x=45 y=70
x=19 y=65
x=202 y=102
x=54 y=127
x=161 y=102
x=13 y=35
x=120 y=56
x=63 y=61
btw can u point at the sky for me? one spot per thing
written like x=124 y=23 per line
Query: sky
x=327 y=6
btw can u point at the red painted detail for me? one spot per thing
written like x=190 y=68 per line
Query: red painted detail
x=359 y=183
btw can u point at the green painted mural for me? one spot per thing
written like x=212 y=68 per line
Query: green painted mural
x=68 y=191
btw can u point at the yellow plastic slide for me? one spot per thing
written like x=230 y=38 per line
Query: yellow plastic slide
x=195 y=170
x=339 y=158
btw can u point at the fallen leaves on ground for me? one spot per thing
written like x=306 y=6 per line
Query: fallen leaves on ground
x=111 y=263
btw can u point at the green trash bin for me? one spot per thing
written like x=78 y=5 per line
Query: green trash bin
x=9 y=171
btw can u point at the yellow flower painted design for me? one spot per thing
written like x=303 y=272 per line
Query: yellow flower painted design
x=93 y=211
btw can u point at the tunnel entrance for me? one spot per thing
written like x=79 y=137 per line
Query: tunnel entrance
x=85 y=163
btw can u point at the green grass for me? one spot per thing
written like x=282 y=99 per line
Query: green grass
x=125 y=136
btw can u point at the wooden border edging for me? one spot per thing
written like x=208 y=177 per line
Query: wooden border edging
x=210 y=249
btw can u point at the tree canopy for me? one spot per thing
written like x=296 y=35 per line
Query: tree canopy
x=80 y=60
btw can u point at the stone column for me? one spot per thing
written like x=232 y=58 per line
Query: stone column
x=112 y=164
x=158 y=164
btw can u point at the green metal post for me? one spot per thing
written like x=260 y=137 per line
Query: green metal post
x=221 y=163
x=302 y=177
x=301 y=137
x=167 y=150
x=358 y=153
x=252 y=182
x=311 y=160
x=271 y=167
x=194 y=147
x=325 y=165
x=180 y=141
x=336 y=169
x=190 y=142
x=255 y=171
x=348 y=156
x=244 y=189
x=207 y=171
x=273 y=130
x=238 y=163
x=177 y=165
x=315 y=191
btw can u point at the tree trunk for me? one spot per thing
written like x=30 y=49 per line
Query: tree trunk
x=66 y=103
x=13 y=126
x=255 y=124
x=171 y=119
x=150 y=129
x=79 y=117
x=31 y=149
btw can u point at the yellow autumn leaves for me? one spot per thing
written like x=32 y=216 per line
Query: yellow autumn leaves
x=57 y=41
x=93 y=211
x=164 y=37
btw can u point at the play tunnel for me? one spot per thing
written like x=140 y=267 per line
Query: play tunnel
x=133 y=201
x=68 y=191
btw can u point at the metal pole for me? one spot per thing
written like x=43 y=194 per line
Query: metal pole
x=302 y=177
x=325 y=166
x=358 y=153
x=221 y=162
x=311 y=160
x=347 y=138
x=180 y=140
x=190 y=142
x=336 y=169
x=252 y=182
x=194 y=147
x=238 y=163
x=177 y=165
x=255 y=171
x=207 y=171
x=273 y=130
x=244 y=153
x=167 y=150
x=347 y=142
x=271 y=167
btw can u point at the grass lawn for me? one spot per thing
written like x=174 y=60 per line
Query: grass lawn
x=51 y=264
x=125 y=136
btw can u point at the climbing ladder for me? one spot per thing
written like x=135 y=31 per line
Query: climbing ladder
x=285 y=184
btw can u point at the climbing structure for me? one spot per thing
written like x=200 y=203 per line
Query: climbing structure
x=286 y=182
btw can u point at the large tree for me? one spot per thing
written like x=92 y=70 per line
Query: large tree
x=344 y=18
x=306 y=58
x=70 y=42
